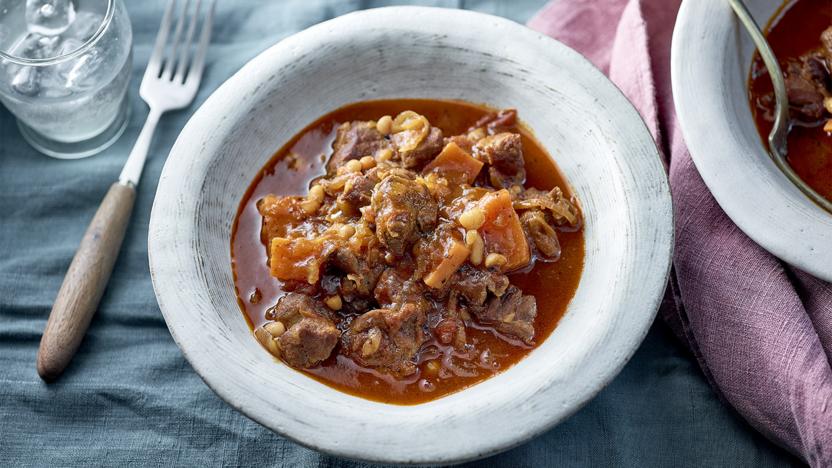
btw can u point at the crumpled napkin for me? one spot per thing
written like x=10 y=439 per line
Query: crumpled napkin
x=761 y=330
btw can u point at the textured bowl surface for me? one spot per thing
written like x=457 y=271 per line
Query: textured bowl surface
x=594 y=134
x=710 y=62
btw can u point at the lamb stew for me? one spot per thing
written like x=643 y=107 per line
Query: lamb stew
x=402 y=250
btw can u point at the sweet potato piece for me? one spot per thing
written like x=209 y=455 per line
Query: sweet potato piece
x=295 y=259
x=455 y=164
x=455 y=255
x=279 y=214
x=502 y=230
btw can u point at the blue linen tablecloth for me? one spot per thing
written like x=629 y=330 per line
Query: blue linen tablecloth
x=130 y=398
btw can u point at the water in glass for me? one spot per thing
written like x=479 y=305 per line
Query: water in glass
x=77 y=90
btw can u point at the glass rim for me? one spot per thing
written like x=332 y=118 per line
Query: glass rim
x=42 y=62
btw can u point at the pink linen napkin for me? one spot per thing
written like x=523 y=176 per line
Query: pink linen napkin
x=760 y=329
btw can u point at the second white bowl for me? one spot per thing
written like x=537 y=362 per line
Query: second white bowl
x=710 y=61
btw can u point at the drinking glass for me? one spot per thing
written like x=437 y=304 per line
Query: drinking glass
x=64 y=72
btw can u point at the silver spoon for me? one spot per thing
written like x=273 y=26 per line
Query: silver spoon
x=778 y=137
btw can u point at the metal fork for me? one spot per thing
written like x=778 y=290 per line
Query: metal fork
x=170 y=82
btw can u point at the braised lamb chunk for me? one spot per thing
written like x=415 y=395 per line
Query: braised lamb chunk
x=404 y=209
x=387 y=339
x=355 y=140
x=396 y=286
x=805 y=84
x=302 y=332
x=513 y=314
x=474 y=284
x=301 y=287
x=543 y=235
x=361 y=273
x=497 y=122
x=424 y=152
x=815 y=70
x=449 y=331
x=357 y=191
x=503 y=153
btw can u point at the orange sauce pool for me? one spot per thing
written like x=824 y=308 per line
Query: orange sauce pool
x=303 y=158
x=793 y=31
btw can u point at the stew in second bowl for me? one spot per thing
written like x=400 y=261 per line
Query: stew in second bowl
x=801 y=36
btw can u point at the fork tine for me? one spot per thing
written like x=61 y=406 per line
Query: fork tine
x=155 y=62
x=182 y=64
x=195 y=73
x=170 y=59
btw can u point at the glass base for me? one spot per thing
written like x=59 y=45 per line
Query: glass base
x=78 y=149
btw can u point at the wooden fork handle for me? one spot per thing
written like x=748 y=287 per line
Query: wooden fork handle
x=85 y=281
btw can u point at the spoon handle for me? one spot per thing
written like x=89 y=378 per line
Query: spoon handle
x=85 y=281
x=778 y=137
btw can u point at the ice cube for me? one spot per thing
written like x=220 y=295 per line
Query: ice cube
x=54 y=79
x=37 y=46
x=79 y=73
x=53 y=85
x=26 y=81
x=85 y=25
x=49 y=17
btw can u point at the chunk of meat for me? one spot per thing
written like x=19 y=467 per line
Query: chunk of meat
x=417 y=157
x=294 y=306
x=396 y=286
x=542 y=234
x=361 y=273
x=805 y=87
x=355 y=140
x=357 y=192
x=403 y=210
x=455 y=164
x=512 y=314
x=502 y=231
x=562 y=210
x=814 y=69
x=474 y=285
x=387 y=339
x=301 y=287
x=503 y=152
x=305 y=333
x=450 y=330
x=498 y=121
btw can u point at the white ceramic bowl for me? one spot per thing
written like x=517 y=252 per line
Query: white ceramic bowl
x=595 y=135
x=710 y=61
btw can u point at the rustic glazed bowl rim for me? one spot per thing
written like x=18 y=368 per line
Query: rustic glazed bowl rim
x=710 y=61
x=471 y=423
